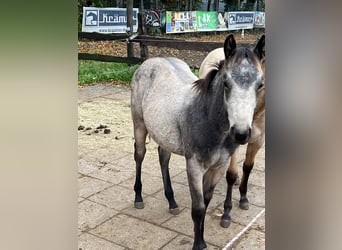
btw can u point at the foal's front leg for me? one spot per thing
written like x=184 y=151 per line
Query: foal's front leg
x=231 y=177
x=198 y=207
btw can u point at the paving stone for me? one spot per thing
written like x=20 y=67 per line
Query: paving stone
x=241 y=216
x=257 y=178
x=126 y=162
x=115 y=156
x=85 y=167
x=86 y=143
x=217 y=235
x=181 y=178
x=115 y=197
x=216 y=201
x=90 y=242
x=156 y=210
x=181 y=194
x=88 y=186
x=113 y=174
x=252 y=240
x=255 y=194
x=150 y=184
x=151 y=166
x=183 y=198
x=133 y=233
x=183 y=242
x=91 y=214
x=213 y=232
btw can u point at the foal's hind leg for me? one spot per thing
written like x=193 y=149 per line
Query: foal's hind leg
x=252 y=150
x=164 y=158
x=231 y=177
x=140 y=133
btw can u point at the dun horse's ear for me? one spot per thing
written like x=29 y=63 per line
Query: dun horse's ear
x=229 y=46
x=259 y=49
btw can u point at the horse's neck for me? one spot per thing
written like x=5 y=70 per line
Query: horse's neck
x=208 y=113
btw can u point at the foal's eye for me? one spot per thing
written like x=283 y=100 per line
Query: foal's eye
x=261 y=85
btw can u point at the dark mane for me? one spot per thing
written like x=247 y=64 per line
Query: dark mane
x=202 y=85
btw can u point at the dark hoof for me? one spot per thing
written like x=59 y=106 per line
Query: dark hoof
x=200 y=247
x=139 y=204
x=174 y=211
x=244 y=205
x=225 y=223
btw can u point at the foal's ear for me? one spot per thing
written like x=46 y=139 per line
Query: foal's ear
x=229 y=46
x=259 y=49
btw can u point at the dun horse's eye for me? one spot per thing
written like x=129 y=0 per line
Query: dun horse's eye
x=260 y=85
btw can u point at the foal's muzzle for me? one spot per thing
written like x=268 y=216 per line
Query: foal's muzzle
x=241 y=136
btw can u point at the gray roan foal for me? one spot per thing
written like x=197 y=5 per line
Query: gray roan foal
x=203 y=119
x=213 y=61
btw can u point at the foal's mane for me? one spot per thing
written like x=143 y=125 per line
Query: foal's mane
x=202 y=85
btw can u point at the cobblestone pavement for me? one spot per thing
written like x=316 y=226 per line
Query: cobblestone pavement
x=107 y=218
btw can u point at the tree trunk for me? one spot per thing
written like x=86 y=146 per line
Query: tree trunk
x=216 y=5
x=208 y=6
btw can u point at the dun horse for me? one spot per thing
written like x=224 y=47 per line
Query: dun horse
x=203 y=119
x=255 y=142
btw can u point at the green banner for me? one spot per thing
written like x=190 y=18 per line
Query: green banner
x=206 y=20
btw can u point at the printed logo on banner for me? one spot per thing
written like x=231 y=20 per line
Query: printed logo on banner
x=232 y=18
x=114 y=18
x=240 y=20
x=107 y=20
x=91 y=17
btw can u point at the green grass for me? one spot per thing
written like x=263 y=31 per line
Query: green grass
x=93 y=71
x=195 y=71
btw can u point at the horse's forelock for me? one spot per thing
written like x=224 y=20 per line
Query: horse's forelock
x=244 y=53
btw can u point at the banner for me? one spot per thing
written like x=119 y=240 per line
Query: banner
x=179 y=22
x=211 y=21
x=259 y=20
x=240 y=20
x=107 y=20
x=194 y=21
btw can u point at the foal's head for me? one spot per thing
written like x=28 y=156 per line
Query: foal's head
x=242 y=76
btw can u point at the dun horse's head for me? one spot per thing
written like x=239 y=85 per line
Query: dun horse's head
x=243 y=77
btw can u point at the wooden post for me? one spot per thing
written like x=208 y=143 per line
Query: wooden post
x=130 y=48
x=142 y=31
